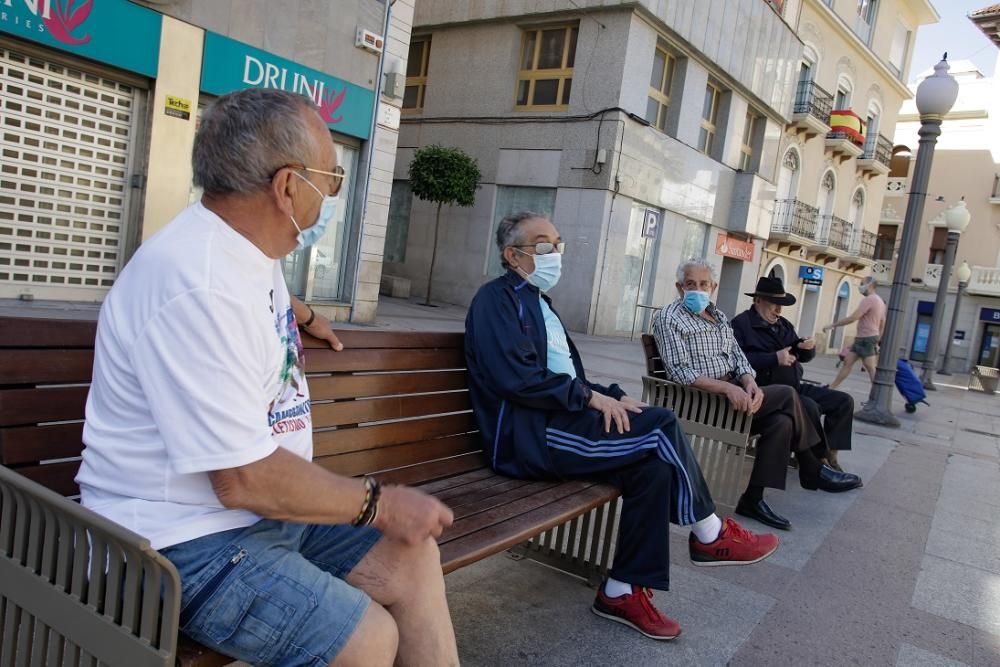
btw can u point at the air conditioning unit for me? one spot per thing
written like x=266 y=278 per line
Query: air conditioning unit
x=369 y=41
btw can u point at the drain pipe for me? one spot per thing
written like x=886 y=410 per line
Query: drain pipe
x=370 y=156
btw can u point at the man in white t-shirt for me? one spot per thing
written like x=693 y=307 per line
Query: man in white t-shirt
x=199 y=434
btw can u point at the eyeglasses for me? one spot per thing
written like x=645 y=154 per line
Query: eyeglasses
x=545 y=248
x=337 y=174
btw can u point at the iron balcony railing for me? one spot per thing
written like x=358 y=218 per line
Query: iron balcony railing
x=813 y=100
x=834 y=232
x=794 y=217
x=878 y=148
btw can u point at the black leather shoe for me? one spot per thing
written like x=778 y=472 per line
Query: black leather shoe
x=761 y=512
x=830 y=480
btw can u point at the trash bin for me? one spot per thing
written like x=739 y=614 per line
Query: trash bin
x=984 y=379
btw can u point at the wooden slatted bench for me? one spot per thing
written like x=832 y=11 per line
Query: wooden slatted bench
x=395 y=405
x=719 y=435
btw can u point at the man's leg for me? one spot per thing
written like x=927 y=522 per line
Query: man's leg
x=837 y=408
x=871 y=365
x=407 y=582
x=845 y=369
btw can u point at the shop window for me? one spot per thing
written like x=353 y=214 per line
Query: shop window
x=398 y=226
x=416 y=74
x=695 y=240
x=660 y=80
x=545 y=79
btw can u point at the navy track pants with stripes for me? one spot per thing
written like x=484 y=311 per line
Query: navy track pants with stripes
x=655 y=469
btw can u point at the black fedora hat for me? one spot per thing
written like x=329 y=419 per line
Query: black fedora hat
x=772 y=290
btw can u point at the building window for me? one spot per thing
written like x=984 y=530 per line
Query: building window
x=938 y=242
x=416 y=74
x=658 y=102
x=545 y=79
x=900 y=45
x=709 y=119
x=695 y=240
x=867 y=9
x=885 y=242
x=843 y=99
x=511 y=199
x=751 y=141
x=398 y=227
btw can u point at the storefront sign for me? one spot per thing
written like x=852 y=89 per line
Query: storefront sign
x=989 y=315
x=115 y=32
x=650 y=223
x=727 y=246
x=811 y=275
x=229 y=65
x=178 y=107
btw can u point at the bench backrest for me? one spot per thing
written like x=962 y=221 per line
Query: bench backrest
x=388 y=401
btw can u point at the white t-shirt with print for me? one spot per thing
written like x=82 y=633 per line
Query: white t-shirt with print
x=198 y=367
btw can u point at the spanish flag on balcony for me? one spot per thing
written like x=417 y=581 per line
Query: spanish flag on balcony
x=848 y=124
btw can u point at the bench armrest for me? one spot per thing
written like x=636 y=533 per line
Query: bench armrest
x=80 y=584
x=698 y=409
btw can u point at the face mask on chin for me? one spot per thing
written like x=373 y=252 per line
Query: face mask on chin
x=327 y=210
x=548 y=269
x=696 y=301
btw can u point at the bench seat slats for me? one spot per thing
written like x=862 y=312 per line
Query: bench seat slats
x=30 y=406
x=367 y=460
x=385 y=409
x=47 y=332
x=24 y=444
x=438 y=474
x=384 y=435
x=384 y=384
x=56 y=476
x=488 y=540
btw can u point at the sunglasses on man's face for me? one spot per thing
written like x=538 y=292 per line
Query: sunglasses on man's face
x=545 y=248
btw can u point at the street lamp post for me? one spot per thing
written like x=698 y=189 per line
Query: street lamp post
x=957 y=219
x=964 y=273
x=935 y=96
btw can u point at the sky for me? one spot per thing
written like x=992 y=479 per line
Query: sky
x=957 y=35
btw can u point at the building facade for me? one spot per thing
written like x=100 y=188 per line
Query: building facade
x=966 y=165
x=836 y=154
x=649 y=131
x=100 y=105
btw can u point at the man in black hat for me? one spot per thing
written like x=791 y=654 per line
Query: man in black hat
x=777 y=352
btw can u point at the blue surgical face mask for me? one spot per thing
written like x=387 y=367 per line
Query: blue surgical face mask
x=548 y=268
x=327 y=210
x=696 y=301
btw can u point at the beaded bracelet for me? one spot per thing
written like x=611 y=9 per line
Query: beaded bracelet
x=369 y=508
x=312 y=317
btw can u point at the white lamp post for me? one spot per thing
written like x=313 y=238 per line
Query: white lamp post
x=964 y=274
x=935 y=96
x=956 y=219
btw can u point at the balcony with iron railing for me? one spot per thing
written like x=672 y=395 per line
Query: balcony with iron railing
x=876 y=157
x=833 y=236
x=811 y=112
x=846 y=138
x=794 y=221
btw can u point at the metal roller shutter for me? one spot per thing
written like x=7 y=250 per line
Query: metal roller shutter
x=65 y=135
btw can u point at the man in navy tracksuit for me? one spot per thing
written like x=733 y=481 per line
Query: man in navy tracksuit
x=540 y=418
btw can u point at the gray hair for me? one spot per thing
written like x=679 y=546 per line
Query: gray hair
x=246 y=136
x=696 y=263
x=507 y=230
x=869 y=280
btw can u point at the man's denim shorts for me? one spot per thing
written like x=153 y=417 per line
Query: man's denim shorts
x=273 y=593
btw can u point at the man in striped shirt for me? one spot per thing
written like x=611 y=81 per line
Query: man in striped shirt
x=698 y=349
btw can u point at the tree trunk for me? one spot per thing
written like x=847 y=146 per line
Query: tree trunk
x=434 y=251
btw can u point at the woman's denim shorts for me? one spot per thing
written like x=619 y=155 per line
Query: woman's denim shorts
x=273 y=593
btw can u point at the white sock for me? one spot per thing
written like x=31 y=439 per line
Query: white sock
x=707 y=530
x=615 y=589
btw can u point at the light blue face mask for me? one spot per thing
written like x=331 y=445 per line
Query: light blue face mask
x=327 y=210
x=548 y=269
x=696 y=301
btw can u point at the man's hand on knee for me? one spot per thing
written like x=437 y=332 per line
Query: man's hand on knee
x=615 y=411
x=411 y=516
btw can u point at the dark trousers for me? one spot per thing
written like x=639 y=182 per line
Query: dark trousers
x=784 y=427
x=837 y=411
x=657 y=473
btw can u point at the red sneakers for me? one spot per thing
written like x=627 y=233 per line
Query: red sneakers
x=636 y=610
x=735 y=546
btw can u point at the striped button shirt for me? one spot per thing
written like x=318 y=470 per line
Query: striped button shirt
x=691 y=346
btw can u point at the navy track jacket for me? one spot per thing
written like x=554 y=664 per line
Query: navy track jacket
x=512 y=390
